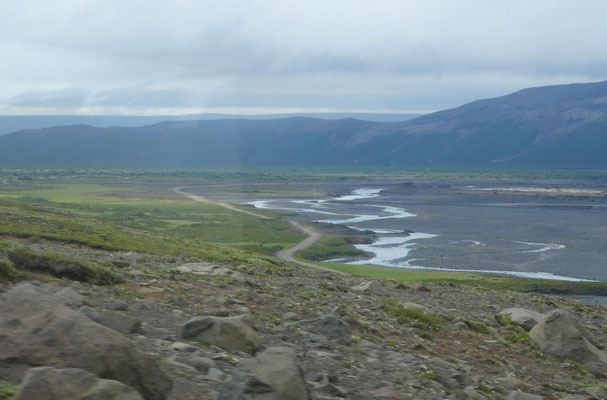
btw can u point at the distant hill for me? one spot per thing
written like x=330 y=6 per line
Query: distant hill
x=554 y=126
x=14 y=123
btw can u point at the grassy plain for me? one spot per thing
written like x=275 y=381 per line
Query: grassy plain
x=135 y=211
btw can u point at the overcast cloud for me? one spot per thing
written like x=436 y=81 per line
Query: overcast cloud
x=186 y=56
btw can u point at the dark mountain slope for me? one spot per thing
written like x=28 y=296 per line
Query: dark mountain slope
x=556 y=126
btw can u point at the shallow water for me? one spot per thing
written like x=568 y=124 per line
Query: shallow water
x=469 y=233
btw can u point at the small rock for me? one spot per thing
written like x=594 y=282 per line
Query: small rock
x=202 y=364
x=215 y=373
x=208 y=269
x=523 y=317
x=516 y=395
x=116 y=321
x=417 y=307
x=47 y=383
x=460 y=326
x=229 y=333
x=329 y=326
x=290 y=316
x=118 y=305
x=370 y=287
x=69 y=297
x=183 y=347
x=386 y=392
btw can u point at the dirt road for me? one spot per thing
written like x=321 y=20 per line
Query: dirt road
x=285 y=255
x=313 y=237
x=202 y=199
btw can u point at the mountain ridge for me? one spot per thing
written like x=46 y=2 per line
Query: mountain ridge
x=553 y=126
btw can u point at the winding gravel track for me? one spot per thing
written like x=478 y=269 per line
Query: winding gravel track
x=313 y=237
x=285 y=255
x=202 y=199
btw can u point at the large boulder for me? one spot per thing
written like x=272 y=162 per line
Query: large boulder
x=48 y=383
x=274 y=374
x=229 y=333
x=370 y=287
x=523 y=317
x=114 y=320
x=35 y=329
x=562 y=336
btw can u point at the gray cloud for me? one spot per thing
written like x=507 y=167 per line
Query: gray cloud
x=148 y=56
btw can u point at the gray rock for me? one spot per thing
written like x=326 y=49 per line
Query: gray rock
x=208 y=269
x=523 y=317
x=229 y=333
x=202 y=364
x=370 y=287
x=516 y=395
x=116 y=321
x=118 y=305
x=183 y=347
x=274 y=374
x=69 y=297
x=562 y=336
x=215 y=373
x=47 y=383
x=329 y=326
x=417 y=307
x=290 y=316
x=35 y=329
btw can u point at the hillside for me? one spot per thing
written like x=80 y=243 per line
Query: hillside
x=555 y=126
x=14 y=123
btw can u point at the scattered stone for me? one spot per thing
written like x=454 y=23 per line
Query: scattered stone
x=116 y=321
x=329 y=326
x=290 y=316
x=35 y=329
x=595 y=391
x=417 y=307
x=178 y=313
x=202 y=364
x=229 y=333
x=208 y=269
x=562 y=336
x=47 y=383
x=516 y=395
x=215 y=373
x=69 y=297
x=460 y=326
x=273 y=374
x=118 y=305
x=386 y=392
x=183 y=347
x=370 y=287
x=523 y=317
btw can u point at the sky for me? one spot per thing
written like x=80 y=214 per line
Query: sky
x=152 y=57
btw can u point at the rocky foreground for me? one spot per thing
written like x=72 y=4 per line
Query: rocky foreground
x=184 y=329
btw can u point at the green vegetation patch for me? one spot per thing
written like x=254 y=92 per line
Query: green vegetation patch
x=409 y=316
x=8 y=272
x=334 y=247
x=8 y=391
x=179 y=218
x=62 y=266
x=477 y=326
x=491 y=281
